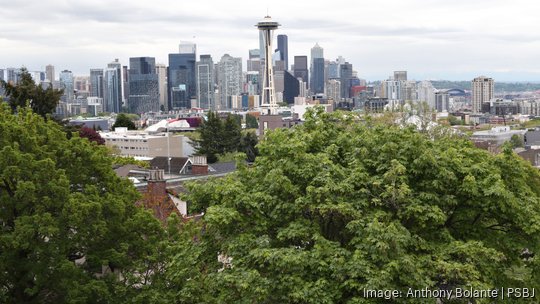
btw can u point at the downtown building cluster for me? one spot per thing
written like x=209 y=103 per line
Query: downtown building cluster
x=192 y=81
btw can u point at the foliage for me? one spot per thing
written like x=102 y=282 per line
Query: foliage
x=455 y=121
x=217 y=137
x=128 y=160
x=248 y=144
x=517 y=141
x=232 y=132
x=91 y=135
x=210 y=137
x=66 y=217
x=123 y=120
x=251 y=122
x=42 y=101
x=336 y=205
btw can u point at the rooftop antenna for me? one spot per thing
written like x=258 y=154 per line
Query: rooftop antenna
x=267 y=13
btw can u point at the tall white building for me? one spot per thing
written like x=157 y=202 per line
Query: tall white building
x=229 y=79
x=482 y=91
x=333 y=89
x=161 y=71
x=426 y=93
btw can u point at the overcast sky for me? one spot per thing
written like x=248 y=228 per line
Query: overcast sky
x=431 y=39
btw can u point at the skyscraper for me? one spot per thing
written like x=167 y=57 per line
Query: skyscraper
x=49 y=73
x=317 y=72
x=301 y=68
x=400 y=75
x=118 y=66
x=345 y=75
x=181 y=77
x=317 y=76
x=229 y=79
x=291 y=87
x=266 y=31
x=161 y=71
x=283 y=48
x=482 y=91
x=96 y=83
x=112 y=93
x=143 y=85
x=66 y=78
x=204 y=71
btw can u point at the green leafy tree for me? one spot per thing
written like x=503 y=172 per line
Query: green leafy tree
x=336 y=205
x=123 y=120
x=251 y=122
x=517 y=141
x=43 y=101
x=70 y=231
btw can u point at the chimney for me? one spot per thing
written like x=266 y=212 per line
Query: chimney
x=199 y=165
x=156 y=183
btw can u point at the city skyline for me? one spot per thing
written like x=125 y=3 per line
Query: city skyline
x=431 y=39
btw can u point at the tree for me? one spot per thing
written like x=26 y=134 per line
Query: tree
x=517 y=141
x=210 y=139
x=123 y=120
x=337 y=205
x=65 y=217
x=251 y=122
x=248 y=144
x=91 y=135
x=42 y=101
x=232 y=132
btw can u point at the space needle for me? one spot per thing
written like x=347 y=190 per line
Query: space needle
x=268 y=104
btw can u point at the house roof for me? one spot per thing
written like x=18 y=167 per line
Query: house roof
x=177 y=163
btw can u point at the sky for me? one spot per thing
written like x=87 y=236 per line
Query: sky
x=431 y=39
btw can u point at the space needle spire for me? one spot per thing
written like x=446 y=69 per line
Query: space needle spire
x=268 y=104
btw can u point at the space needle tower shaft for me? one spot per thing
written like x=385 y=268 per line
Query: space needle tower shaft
x=268 y=104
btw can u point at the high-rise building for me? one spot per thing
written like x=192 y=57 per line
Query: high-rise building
x=186 y=47
x=82 y=84
x=426 y=93
x=333 y=90
x=66 y=78
x=345 y=76
x=49 y=73
x=229 y=80
x=96 y=83
x=161 y=71
x=125 y=84
x=291 y=87
x=400 y=75
x=333 y=70
x=317 y=76
x=283 y=48
x=266 y=31
x=13 y=75
x=204 y=71
x=254 y=61
x=317 y=72
x=301 y=68
x=143 y=85
x=181 y=77
x=118 y=66
x=482 y=91
x=393 y=89
x=442 y=101
x=112 y=93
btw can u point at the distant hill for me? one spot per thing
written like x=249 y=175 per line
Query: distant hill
x=499 y=86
